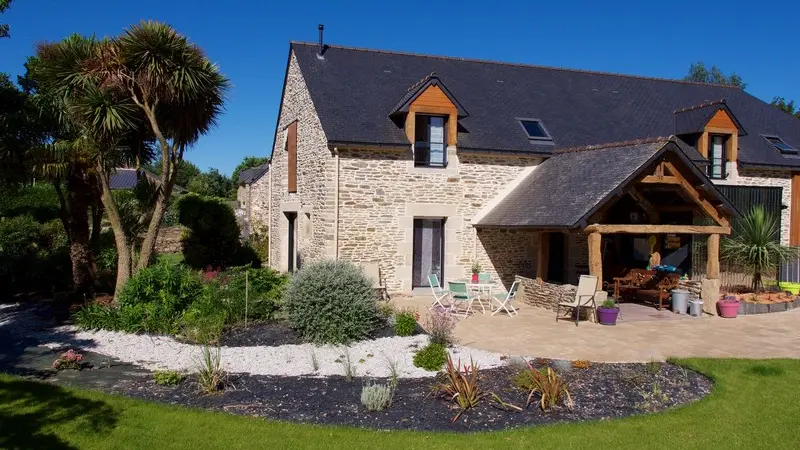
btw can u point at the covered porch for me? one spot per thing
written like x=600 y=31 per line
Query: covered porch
x=635 y=205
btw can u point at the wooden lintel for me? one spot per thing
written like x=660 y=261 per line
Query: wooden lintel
x=656 y=229
x=693 y=193
x=654 y=179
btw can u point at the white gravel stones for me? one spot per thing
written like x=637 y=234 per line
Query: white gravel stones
x=368 y=358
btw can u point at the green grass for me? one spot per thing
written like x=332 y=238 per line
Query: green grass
x=756 y=404
x=172 y=258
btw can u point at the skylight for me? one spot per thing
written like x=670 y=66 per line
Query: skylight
x=535 y=130
x=783 y=147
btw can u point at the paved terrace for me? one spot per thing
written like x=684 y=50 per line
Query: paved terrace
x=534 y=332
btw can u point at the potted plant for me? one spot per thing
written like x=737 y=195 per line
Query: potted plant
x=607 y=312
x=476 y=269
x=728 y=307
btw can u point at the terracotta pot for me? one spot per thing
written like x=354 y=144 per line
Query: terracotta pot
x=474 y=277
x=607 y=316
x=728 y=308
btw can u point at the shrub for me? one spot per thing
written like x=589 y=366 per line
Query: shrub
x=377 y=397
x=264 y=290
x=212 y=238
x=33 y=255
x=547 y=384
x=405 y=322
x=69 y=360
x=167 y=377
x=98 y=317
x=439 y=326
x=461 y=385
x=259 y=240
x=431 y=357
x=331 y=302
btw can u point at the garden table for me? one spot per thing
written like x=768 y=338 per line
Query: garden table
x=481 y=288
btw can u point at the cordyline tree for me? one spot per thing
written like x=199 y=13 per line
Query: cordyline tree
x=147 y=86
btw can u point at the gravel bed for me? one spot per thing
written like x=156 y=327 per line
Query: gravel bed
x=599 y=392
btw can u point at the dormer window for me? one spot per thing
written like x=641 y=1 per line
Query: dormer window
x=717 y=156
x=430 y=148
x=535 y=130
x=783 y=147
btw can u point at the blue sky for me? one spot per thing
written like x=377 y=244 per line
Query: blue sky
x=249 y=41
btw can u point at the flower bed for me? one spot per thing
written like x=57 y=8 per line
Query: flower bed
x=765 y=302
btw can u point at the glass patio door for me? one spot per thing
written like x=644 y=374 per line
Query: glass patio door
x=428 y=251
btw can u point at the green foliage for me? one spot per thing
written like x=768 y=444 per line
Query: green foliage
x=376 y=396
x=247 y=163
x=439 y=326
x=431 y=357
x=546 y=383
x=211 y=184
x=4 y=4
x=210 y=376
x=186 y=171
x=167 y=377
x=405 y=322
x=33 y=256
x=609 y=303
x=755 y=245
x=213 y=234
x=787 y=107
x=258 y=240
x=39 y=201
x=461 y=385
x=700 y=74
x=331 y=302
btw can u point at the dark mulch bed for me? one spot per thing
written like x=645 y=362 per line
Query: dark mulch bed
x=599 y=392
x=273 y=333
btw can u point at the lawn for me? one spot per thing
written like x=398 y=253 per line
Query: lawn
x=756 y=404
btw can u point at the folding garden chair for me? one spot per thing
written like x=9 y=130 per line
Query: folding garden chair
x=584 y=298
x=373 y=272
x=505 y=299
x=460 y=294
x=439 y=294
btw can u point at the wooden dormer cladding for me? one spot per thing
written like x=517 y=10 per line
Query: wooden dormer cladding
x=433 y=101
x=721 y=123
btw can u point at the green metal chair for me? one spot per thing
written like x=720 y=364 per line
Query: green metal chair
x=460 y=294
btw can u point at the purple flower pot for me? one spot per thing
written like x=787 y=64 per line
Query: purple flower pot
x=607 y=316
x=728 y=308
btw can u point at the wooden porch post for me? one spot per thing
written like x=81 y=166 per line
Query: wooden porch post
x=596 y=258
x=712 y=266
x=543 y=257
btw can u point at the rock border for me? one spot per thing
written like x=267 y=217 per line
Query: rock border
x=747 y=308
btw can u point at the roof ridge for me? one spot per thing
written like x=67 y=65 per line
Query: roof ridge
x=721 y=101
x=422 y=81
x=584 y=148
x=505 y=63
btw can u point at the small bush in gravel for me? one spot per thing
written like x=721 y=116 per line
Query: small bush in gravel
x=461 y=385
x=439 y=326
x=431 y=357
x=69 y=360
x=167 y=377
x=377 y=397
x=549 y=385
x=405 y=322
x=210 y=376
x=331 y=302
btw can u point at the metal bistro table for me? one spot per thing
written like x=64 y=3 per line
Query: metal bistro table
x=481 y=289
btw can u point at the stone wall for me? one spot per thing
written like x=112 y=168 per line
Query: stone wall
x=693 y=286
x=381 y=192
x=169 y=240
x=253 y=205
x=535 y=292
x=313 y=202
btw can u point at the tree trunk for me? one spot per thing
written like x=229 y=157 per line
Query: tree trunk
x=149 y=243
x=75 y=215
x=121 y=240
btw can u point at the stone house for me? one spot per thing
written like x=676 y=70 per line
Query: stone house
x=252 y=198
x=426 y=164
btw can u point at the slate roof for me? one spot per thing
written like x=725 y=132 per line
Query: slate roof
x=695 y=118
x=253 y=174
x=126 y=178
x=566 y=189
x=354 y=91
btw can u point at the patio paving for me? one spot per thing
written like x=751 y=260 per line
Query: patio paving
x=534 y=332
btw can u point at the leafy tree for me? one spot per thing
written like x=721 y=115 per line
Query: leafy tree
x=4 y=5
x=211 y=184
x=247 y=162
x=186 y=171
x=700 y=74
x=149 y=85
x=787 y=107
x=755 y=245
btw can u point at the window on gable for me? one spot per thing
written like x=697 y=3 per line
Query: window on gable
x=430 y=148
x=535 y=130
x=783 y=147
x=717 y=156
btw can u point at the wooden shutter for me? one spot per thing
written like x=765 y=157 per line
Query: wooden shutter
x=291 y=147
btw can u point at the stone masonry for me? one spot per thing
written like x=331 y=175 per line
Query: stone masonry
x=541 y=294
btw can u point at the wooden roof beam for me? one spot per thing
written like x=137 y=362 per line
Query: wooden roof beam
x=656 y=229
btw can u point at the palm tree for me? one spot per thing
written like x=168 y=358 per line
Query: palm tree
x=148 y=85
x=755 y=245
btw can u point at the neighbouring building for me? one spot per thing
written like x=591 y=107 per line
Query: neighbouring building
x=252 y=197
x=426 y=164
